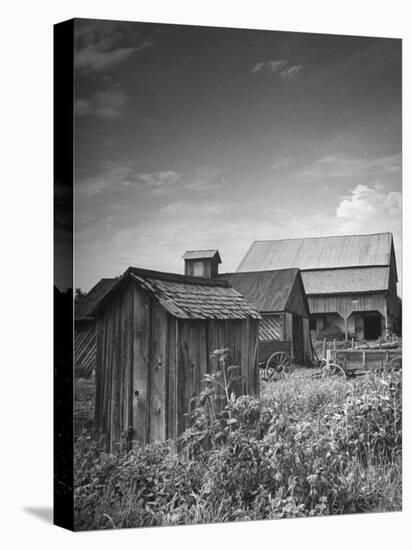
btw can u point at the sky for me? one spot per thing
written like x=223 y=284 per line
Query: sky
x=194 y=137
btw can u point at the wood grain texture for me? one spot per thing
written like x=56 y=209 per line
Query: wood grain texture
x=150 y=365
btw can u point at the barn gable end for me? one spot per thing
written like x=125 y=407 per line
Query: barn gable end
x=280 y=297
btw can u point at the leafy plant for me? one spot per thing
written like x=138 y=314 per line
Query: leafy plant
x=307 y=447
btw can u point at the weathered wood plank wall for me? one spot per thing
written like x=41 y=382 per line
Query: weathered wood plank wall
x=150 y=365
x=345 y=305
x=85 y=348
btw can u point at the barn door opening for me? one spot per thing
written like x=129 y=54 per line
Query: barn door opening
x=372 y=326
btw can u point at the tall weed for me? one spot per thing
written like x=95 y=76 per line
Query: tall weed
x=308 y=447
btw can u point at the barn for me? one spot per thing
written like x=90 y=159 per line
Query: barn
x=155 y=333
x=350 y=280
x=85 y=328
x=280 y=298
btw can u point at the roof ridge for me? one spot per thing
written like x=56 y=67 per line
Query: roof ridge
x=202 y=250
x=324 y=237
x=346 y=267
x=205 y=299
x=297 y=269
x=176 y=277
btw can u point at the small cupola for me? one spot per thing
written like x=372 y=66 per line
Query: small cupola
x=202 y=263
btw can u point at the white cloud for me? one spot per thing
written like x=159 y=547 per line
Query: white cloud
x=96 y=58
x=358 y=205
x=112 y=177
x=282 y=163
x=372 y=210
x=291 y=72
x=128 y=177
x=364 y=202
x=100 y=45
x=278 y=67
x=269 y=67
x=341 y=165
x=159 y=182
x=103 y=104
x=393 y=203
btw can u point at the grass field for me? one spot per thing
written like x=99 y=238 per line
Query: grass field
x=307 y=447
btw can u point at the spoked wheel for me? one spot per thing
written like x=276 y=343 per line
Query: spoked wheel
x=262 y=372
x=332 y=369
x=277 y=366
x=395 y=364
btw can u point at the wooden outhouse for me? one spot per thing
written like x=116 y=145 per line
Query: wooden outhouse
x=155 y=333
x=280 y=298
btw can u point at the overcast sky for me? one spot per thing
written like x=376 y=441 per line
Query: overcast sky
x=190 y=138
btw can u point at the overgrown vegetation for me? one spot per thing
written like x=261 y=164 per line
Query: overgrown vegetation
x=307 y=447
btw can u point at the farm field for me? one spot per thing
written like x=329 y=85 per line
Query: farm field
x=307 y=447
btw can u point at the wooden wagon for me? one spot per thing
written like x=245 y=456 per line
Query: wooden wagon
x=359 y=362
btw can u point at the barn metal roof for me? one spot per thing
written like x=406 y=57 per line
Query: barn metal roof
x=201 y=255
x=86 y=304
x=269 y=291
x=338 y=281
x=189 y=297
x=319 y=252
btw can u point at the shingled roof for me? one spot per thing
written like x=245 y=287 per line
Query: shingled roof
x=270 y=291
x=342 y=281
x=189 y=297
x=86 y=304
x=320 y=252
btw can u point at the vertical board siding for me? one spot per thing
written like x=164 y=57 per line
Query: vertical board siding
x=297 y=302
x=139 y=343
x=344 y=305
x=254 y=378
x=171 y=380
x=98 y=396
x=192 y=365
x=298 y=339
x=289 y=331
x=157 y=375
x=306 y=339
x=142 y=348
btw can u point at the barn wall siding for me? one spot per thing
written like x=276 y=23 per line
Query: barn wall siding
x=271 y=327
x=296 y=303
x=392 y=295
x=306 y=339
x=85 y=348
x=345 y=305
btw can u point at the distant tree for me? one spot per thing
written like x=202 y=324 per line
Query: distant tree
x=79 y=294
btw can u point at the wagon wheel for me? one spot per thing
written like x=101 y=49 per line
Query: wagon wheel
x=262 y=371
x=395 y=364
x=332 y=369
x=277 y=365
